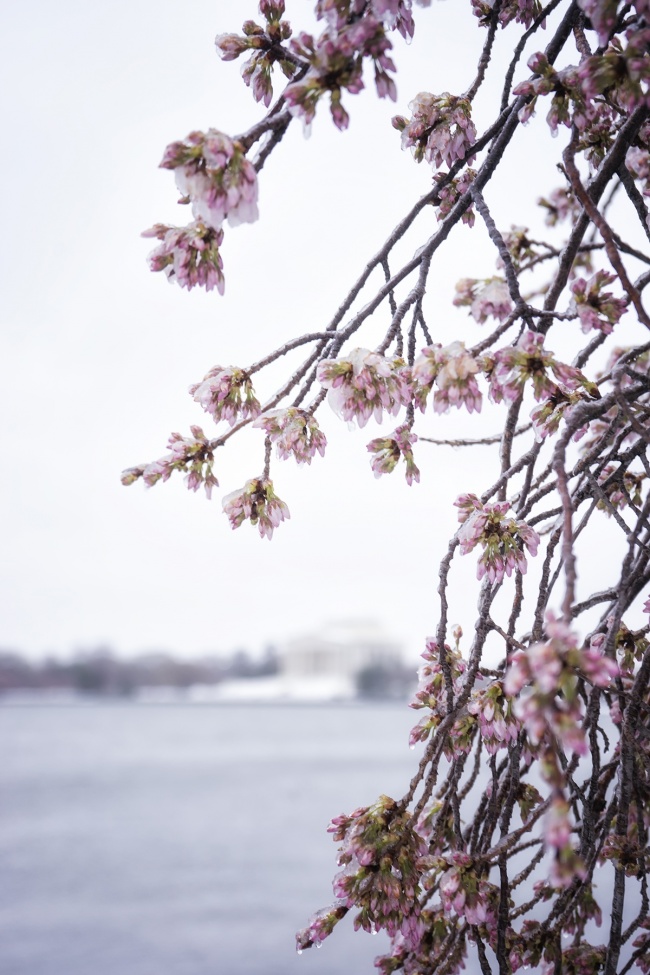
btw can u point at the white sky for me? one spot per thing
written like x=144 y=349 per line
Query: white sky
x=98 y=352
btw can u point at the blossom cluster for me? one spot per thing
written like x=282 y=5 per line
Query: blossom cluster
x=463 y=891
x=214 y=175
x=365 y=384
x=335 y=61
x=621 y=488
x=501 y=536
x=382 y=856
x=630 y=851
x=226 y=394
x=450 y=193
x=560 y=205
x=547 y=416
x=389 y=450
x=523 y=251
x=602 y=14
x=498 y=724
x=637 y=161
x=294 y=432
x=486 y=298
x=630 y=646
x=188 y=255
x=193 y=455
x=551 y=708
x=620 y=72
x=394 y=14
x=513 y=366
x=440 y=129
x=265 y=43
x=454 y=370
x=258 y=503
x=522 y=11
x=568 y=105
x=571 y=105
x=641 y=944
x=596 y=308
x=433 y=693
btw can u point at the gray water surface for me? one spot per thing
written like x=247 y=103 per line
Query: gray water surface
x=179 y=840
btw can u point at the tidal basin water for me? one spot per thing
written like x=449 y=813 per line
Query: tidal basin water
x=183 y=840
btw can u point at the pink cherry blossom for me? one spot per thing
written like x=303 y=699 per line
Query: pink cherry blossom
x=215 y=176
x=335 y=62
x=440 y=129
x=220 y=395
x=560 y=205
x=487 y=298
x=364 y=384
x=389 y=450
x=453 y=370
x=623 y=71
x=514 y=365
x=294 y=432
x=596 y=308
x=382 y=856
x=502 y=538
x=321 y=924
x=258 y=503
x=637 y=161
x=552 y=707
x=522 y=11
x=188 y=255
x=192 y=455
x=498 y=723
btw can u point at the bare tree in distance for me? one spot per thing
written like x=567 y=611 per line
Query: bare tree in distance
x=533 y=773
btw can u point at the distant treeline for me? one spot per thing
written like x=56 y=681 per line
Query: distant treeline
x=100 y=671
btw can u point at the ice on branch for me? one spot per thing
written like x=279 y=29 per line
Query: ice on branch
x=596 y=308
x=214 y=175
x=335 y=62
x=193 y=456
x=389 y=450
x=226 y=394
x=453 y=370
x=365 y=384
x=485 y=298
x=188 y=255
x=502 y=537
x=294 y=432
x=258 y=503
x=321 y=924
x=440 y=129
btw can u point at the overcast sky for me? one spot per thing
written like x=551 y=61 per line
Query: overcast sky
x=98 y=352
